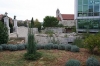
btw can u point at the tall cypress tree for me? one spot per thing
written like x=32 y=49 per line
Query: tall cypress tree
x=32 y=23
x=32 y=53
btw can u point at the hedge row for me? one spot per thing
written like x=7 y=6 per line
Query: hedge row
x=12 y=47
x=91 y=61
x=49 y=46
x=67 y=47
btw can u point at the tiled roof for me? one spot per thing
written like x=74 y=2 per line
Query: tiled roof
x=67 y=16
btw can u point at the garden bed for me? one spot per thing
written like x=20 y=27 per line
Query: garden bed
x=49 y=58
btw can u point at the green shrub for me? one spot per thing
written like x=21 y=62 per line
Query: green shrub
x=32 y=56
x=25 y=45
x=51 y=45
x=48 y=46
x=92 y=62
x=20 y=46
x=42 y=46
x=3 y=33
x=68 y=47
x=4 y=46
x=55 y=46
x=1 y=48
x=73 y=62
x=74 y=48
x=92 y=42
x=12 y=47
x=38 y=46
x=61 y=47
x=78 y=42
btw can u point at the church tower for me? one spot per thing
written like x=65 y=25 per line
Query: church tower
x=57 y=12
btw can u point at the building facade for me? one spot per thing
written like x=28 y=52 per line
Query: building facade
x=87 y=15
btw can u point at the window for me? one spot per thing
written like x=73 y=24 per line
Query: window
x=90 y=14
x=91 y=2
x=85 y=10
x=96 y=1
x=79 y=2
x=85 y=2
x=96 y=8
x=90 y=8
x=79 y=8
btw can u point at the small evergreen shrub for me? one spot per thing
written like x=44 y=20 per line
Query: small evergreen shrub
x=36 y=56
x=68 y=47
x=55 y=46
x=4 y=46
x=61 y=47
x=25 y=45
x=12 y=47
x=20 y=46
x=42 y=46
x=51 y=45
x=47 y=46
x=92 y=62
x=9 y=45
x=78 y=42
x=38 y=46
x=74 y=48
x=1 y=48
x=73 y=62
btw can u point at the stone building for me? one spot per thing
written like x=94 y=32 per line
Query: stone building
x=65 y=19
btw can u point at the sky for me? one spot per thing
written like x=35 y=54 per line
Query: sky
x=38 y=9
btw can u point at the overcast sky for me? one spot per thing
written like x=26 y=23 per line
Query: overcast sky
x=38 y=9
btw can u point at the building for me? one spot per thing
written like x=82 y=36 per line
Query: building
x=87 y=15
x=65 y=19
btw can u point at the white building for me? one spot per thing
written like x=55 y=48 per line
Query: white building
x=65 y=19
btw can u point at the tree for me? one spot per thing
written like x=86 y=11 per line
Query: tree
x=50 y=21
x=32 y=53
x=32 y=23
x=3 y=33
x=37 y=24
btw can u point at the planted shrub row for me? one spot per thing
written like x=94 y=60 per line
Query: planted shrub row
x=12 y=47
x=91 y=61
x=67 y=47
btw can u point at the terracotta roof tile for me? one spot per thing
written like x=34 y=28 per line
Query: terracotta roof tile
x=68 y=16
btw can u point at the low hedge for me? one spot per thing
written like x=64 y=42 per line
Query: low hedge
x=1 y=48
x=74 y=48
x=61 y=47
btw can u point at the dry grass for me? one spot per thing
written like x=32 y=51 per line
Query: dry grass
x=49 y=58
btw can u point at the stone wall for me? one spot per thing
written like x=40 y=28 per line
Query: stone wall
x=55 y=29
x=67 y=22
